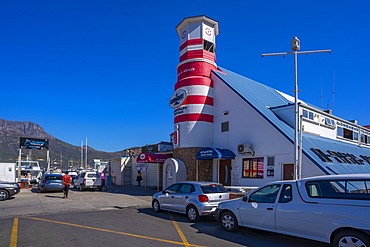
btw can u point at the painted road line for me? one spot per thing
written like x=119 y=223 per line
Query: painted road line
x=110 y=231
x=13 y=238
x=182 y=236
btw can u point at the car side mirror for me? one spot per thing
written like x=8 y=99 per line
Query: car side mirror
x=165 y=191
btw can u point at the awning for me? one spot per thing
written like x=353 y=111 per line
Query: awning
x=152 y=158
x=209 y=153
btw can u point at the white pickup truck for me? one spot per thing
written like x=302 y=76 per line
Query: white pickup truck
x=333 y=209
x=88 y=180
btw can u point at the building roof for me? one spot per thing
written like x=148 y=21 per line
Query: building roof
x=262 y=98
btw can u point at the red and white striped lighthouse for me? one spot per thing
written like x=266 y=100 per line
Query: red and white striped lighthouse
x=193 y=97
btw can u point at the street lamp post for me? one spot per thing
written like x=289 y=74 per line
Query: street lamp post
x=295 y=46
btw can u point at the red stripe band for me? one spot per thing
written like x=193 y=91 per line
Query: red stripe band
x=191 y=42
x=198 y=99
x=198 y=54
x=194 y=117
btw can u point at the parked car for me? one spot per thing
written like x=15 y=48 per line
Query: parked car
x=51 y=182
x=332 y=209
x=8 y=189
x=88 y=180
x=194 y=199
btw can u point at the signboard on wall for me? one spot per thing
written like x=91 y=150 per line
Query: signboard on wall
x=33 y=143
x=178 y=98
x=176 y=139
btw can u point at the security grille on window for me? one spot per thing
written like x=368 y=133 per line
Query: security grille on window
x=224 y=126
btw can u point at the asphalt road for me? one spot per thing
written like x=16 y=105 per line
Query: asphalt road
x=117 y=218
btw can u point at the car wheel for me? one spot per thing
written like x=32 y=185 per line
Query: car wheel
x=192 y=214
x=81 y=189
x=100 y=188
x=229 y=222
x=351 y=238
x=156 y=206
x=4 y=195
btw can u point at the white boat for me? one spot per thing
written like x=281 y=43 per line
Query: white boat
x=31 y=167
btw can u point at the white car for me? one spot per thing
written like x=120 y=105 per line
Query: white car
x=88 y=180
x=333 y=209
x=195 y=199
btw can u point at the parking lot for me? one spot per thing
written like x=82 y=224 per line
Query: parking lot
x=117 y=217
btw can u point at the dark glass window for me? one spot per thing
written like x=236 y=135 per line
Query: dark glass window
x=267 y=194
x=186 y=188
x=208 y=46
x=286 y=194
x=216 y=188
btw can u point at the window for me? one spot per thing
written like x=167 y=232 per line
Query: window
x=340 y=131
x=355 y=136
x=270 y=161
x=208 y=46
x=213 y=188
x=310 y=115
x=253 y=168
x=348 y=134
x=225 y=127
x=186 y=188
x=173 y=188
x=357 y=189
x=305 y=113
x=286 y=194
x=267 y=194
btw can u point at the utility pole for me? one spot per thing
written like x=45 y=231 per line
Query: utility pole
x=86 y=155
x=295 y=46
x=82 y=155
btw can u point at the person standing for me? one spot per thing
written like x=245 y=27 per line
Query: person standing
x=139 y=178
x=66 y=184
x=29 y=179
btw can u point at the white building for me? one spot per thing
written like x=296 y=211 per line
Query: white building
x=223 y=112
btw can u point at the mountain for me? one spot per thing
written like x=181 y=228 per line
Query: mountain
x=11 y=131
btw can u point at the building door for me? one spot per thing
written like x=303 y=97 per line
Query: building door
x=225 y=172
x=288 y=172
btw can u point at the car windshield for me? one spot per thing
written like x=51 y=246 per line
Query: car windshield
x=53 y=178
x=213 y=188
x=93 y=175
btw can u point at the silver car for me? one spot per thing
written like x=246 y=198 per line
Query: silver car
x=194 y=199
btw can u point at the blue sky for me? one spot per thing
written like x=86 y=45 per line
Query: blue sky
x=105 y=70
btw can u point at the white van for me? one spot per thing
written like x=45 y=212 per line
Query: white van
x=333 y=209
x=88 y=180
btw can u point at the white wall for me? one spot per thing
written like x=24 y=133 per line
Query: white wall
x=7 y=172
x=247 y=126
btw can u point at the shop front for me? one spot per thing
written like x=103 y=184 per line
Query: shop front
x=221 y=159
x=151 y=167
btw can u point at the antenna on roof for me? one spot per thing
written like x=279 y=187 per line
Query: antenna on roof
x=321 y=94
x=333 y=88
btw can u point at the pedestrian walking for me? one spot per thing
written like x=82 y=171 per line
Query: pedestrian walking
x=66 y=184
x=139 y=178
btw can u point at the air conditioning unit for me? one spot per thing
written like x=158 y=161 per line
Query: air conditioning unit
x=245 y=149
